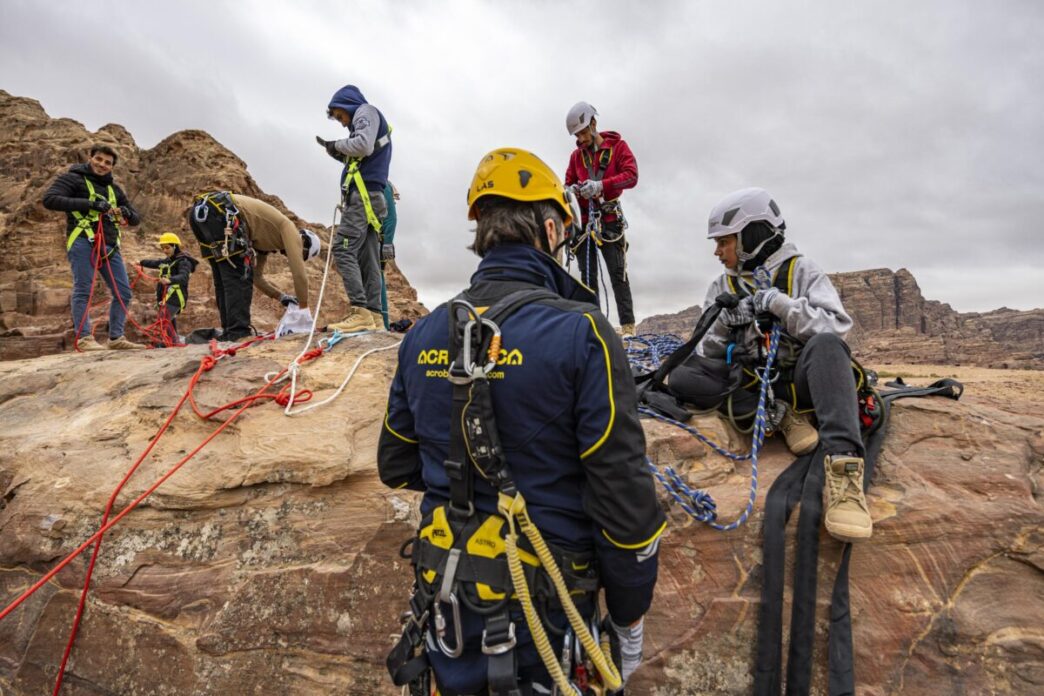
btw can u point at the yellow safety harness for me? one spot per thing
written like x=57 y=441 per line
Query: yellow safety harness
x=173 y=290
x=86 y=224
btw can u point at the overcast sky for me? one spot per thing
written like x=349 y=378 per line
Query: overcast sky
x=892 y=134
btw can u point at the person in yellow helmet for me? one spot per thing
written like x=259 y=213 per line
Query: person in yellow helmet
x=568 y=435
x=174 y=270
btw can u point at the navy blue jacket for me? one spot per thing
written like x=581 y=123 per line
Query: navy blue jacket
x=374 y=169
x=567 y=414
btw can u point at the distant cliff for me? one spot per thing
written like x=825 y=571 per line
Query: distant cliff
x=35 y=281
x=894 y=323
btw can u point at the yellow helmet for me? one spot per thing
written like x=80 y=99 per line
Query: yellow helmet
x=520 y=175
x=169 y=238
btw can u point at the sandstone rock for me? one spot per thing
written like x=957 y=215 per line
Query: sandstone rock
x=35 y=280
x=269 y=563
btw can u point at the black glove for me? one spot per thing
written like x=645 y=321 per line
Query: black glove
x=387 y=251
x=287 y=300
x=125 y=212
x=100 y=204
x=330 y=145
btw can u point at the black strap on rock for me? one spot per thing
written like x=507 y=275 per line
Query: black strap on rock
x=803 y=481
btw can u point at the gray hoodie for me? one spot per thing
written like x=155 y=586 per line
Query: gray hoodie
x=814 y=307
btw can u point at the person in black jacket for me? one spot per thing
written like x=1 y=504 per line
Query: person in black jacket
x=89 y=198
x=567 y=418
x=174 y=271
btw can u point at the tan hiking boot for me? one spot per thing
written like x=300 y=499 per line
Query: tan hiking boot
x=357 y=319
x=378 y=321
x=798 y=432
x=122 y=343
x=87 y=342
x=626 y=331
x=847 y=515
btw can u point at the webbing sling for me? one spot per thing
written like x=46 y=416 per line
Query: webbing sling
x=85 y=224
x=803 y=482
x=782 y=279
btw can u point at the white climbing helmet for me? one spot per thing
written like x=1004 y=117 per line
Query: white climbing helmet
x=310 y=243
x=579 y=117
x=740 y=208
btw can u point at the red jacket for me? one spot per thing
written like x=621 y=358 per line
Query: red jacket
x=621 y=173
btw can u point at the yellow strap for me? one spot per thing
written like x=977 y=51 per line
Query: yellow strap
x=172 y=290
x=352 y=176
x=85 y=223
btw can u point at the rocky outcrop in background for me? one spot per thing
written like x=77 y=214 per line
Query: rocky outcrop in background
x=35 y=281
x=269 y=563
x=894 y=323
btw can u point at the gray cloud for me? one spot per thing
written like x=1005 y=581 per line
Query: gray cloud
x=892 y=134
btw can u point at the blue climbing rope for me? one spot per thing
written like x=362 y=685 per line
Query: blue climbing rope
x=696 y=502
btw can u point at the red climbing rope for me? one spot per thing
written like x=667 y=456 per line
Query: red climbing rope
x=207 y=363
x=158 y=333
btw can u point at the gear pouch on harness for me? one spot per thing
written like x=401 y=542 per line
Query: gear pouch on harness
x=220 y=229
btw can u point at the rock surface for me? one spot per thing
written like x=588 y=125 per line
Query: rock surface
x=35 y=281
x=269 y=563
x=895 y=323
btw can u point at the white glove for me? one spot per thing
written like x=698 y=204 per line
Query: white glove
x=631 y=639
x=295 y=320
x=591 y=189
x=764 y=299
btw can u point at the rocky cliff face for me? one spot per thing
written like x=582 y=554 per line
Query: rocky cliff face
x=35 y=281
x=895 y=323
x=269 y=563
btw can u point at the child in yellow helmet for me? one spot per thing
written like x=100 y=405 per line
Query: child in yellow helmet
x=174 y=270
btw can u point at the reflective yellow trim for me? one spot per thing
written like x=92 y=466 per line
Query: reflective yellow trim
x=402 y=485
x=612 y=402
x=391 y=430
x=640 y=544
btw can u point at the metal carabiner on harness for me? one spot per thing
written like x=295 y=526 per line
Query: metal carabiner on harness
x=467 y=367
x=446 y=595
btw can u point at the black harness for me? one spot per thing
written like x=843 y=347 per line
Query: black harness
x=458 y=555
x=221 y=230
x=803 y=482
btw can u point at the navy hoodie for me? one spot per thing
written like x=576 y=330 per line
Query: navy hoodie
x=374 y=168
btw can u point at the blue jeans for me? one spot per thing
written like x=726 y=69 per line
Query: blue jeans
x=83 y=273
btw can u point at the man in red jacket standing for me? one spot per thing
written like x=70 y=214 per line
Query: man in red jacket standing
x=600 y=169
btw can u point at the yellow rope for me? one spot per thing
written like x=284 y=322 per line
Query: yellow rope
x=513 y=508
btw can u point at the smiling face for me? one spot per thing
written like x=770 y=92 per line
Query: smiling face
x=725 y=250
x=101 y=163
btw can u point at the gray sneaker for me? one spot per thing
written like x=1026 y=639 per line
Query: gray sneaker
x=122 y=343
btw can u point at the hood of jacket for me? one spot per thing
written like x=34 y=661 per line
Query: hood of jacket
x=180 y=254
x=84 y=169
x=787 y=251
x=525 y=263
x=348 y=98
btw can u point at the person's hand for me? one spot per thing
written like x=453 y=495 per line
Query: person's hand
x=125 y=212
x=764 y=299
x=631 y=638
x=387 y=251
x=329 y=145
x=163 y=281
x=100 y=204
x=287 y=300
x=591 y=189
x=739 y=316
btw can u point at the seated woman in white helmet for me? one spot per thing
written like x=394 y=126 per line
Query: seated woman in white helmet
x=814 y=375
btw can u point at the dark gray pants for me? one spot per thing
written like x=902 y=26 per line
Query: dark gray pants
x=357 y=251
x=823 y=381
